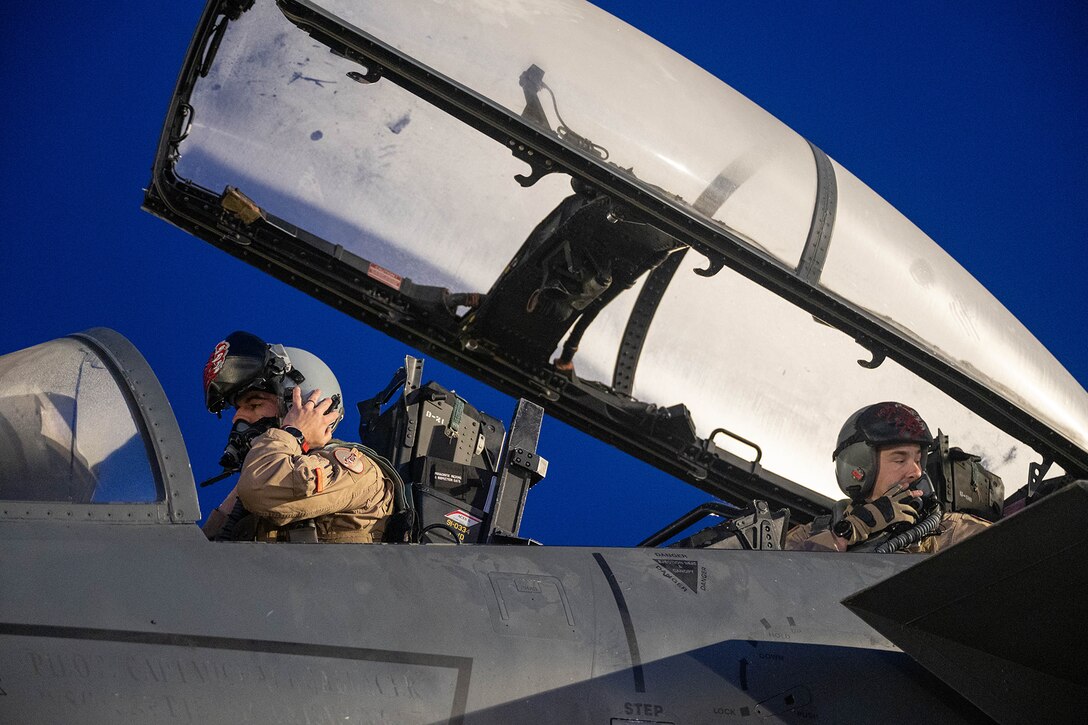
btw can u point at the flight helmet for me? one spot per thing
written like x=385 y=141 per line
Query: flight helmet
x=243 y=362
x=240 y=363
x=877 y=426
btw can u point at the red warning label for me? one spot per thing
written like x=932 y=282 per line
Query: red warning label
x=383 y=275
x=462 y=517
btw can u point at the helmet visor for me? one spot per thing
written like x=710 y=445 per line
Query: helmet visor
x=240 y=363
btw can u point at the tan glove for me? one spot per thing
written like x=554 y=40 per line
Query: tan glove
x=874 y=517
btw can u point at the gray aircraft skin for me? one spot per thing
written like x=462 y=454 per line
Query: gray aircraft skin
x=115 y=607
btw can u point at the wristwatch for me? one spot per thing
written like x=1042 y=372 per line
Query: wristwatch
x=843 y=528
x=292 y=430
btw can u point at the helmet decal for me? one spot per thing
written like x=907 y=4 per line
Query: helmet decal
x=215 y=362
x=240 y=362
x=904 y=419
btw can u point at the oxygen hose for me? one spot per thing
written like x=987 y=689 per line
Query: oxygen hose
x=237 y=513
x=914 y=534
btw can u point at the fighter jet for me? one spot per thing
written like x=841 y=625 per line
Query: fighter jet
x=544 y=198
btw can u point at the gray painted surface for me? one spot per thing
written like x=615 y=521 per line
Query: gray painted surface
x=104 y=623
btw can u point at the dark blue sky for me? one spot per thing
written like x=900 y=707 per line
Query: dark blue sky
x=969 y=117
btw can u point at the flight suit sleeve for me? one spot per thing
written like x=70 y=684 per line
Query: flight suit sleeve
x=281 y=483
x=958 y=526
x=801 y=538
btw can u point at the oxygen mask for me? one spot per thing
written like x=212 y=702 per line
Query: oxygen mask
x=239 y=442
x=929 y=495
x=922 y=504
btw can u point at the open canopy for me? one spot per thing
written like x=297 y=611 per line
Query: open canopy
x=554 y=202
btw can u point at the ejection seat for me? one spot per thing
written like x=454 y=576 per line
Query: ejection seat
x=450 y=460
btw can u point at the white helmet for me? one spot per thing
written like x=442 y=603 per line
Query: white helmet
x=315 y=375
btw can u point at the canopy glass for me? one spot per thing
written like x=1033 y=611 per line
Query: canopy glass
x=391 y=178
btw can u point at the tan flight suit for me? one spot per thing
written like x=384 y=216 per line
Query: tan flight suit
x=337 y=486
x=954 y=528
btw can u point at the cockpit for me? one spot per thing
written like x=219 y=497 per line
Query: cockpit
x=86 y=433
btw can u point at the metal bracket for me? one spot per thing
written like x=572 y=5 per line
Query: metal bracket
x=710 y=441
x=413 y=370
x=373 y=72
x=521 y=468
x=878 y=357
x=1036 y=471
x=539 y=166
x=714 y=264
x=529 y=462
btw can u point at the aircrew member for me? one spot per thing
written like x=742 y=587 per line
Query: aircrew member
x=879 y=464
x=296 y=480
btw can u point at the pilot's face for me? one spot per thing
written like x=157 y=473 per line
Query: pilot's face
x=254 y=405
x=899 y=466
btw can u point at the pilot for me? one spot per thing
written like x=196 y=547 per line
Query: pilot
x=297 y=482
x=880 y=460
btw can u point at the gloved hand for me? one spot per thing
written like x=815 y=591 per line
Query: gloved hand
x=874 y=517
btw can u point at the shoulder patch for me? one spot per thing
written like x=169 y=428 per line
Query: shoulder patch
x=350 y=459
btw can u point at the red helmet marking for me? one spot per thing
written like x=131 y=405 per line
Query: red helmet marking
x=858 y=474
x=905 y=420
x=215 y=362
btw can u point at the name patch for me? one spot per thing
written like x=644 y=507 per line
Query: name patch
x=350 y=459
